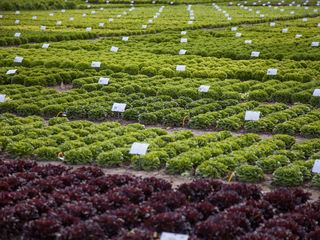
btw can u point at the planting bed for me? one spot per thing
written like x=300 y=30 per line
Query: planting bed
x=213 y=155
x=55 y=202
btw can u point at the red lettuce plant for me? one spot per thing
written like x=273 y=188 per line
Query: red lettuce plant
x=199 y=189
x=42 y=228
x=286 y=199
x=168 y=222
x=84 y=230
x=110 y=224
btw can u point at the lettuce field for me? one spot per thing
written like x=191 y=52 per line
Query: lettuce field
x=223 y=95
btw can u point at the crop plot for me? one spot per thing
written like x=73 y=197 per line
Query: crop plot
x=97 y=85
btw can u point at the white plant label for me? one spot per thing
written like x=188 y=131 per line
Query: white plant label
x=318 y=24
x=124 y=13
x=95 y=64
x=255 y=54
x=190 y=22
x=316 y=93
x=247 y=41
x=261 y=15
x=63 y=11
x=59 y=23
x=34 y=18
x=110 y=19
x=101 y=9
x=150 y=21
x=226 y=15
x=1 y=16
x=180 y=67
x=315 y=44
x=298 y=36
x=229 y=18
x=238 y=34
x=185 y=32
x=17 y=21
x=18 y=59
x=118 y=16
x=17 y=12
x=173 y=236
x=71 y=19
x=114 y=49
x=304 y=19
x=285 y=30
x=144 y=26
x=203 y=88
x=272 y=24
x=252 y=116
x=125 y=39
x=93 y=12
x=184 y=40
x=292 y=12
x=234 y=29
x=12 y=71
x=281 y=10
x=88 y=29
x=17 y=34
x=43 y=27
x=316 y=166
x=50 y=14
x=272 y=71
x=45 y=45
x=139 y=148
x=182 y=52
x=2 y=97
x=118 y=107
x=83 y=15
x=103 y=81
x=101 y=24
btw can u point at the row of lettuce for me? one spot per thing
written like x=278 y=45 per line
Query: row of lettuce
x=268 y=40
x=173 y=18
x=213 y=155
x=56 y=69
x=222 y=107
x=10 y=5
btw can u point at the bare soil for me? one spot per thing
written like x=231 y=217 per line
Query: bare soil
x=62 y=87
